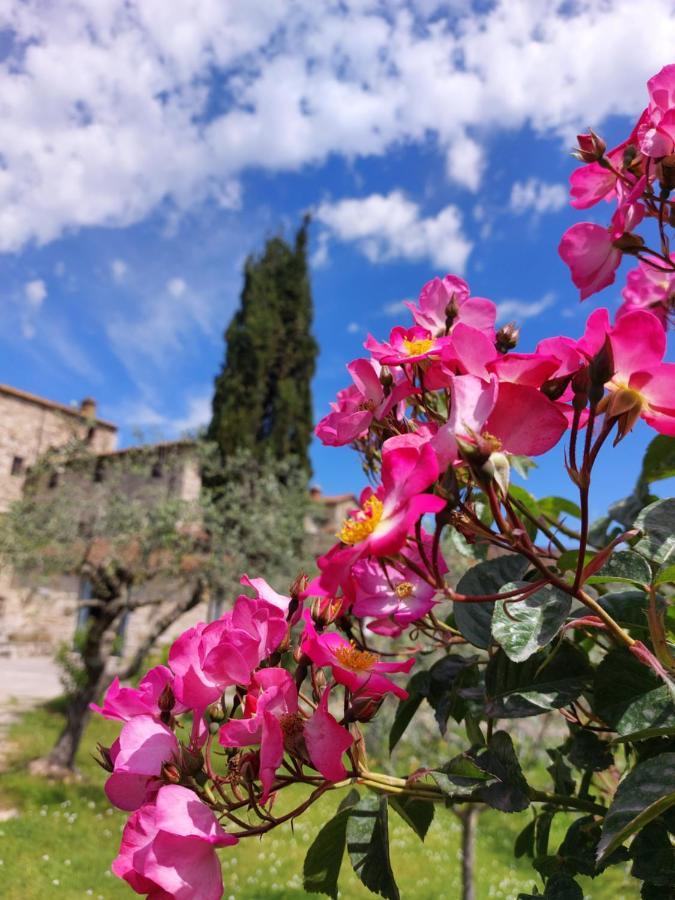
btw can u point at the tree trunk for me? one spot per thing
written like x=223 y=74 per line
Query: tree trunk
x=63 y=753
x=468 y=817
x=96 y=654
x=97 y=677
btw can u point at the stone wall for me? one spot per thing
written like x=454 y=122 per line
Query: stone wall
x=29 y=426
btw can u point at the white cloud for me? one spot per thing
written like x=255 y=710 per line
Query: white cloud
x=537 y=196
x=353 y=328
x=119 y=270
x=522 y=309
x=465 y=162
x=395 y=308
x=144 y=414
x=154 y=107
x=176 y=287
x=386 y=227
x=35 y=293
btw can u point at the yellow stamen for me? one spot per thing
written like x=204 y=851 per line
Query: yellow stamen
x=403 y=590
x=362 y=524
x=360 y=660
x=417 y=348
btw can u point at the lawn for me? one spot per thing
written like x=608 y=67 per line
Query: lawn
x=62 y=842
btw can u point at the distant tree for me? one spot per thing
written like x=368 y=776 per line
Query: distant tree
x=262 y=399
x=123 y=535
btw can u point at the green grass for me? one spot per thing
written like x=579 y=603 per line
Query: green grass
x=66 y=835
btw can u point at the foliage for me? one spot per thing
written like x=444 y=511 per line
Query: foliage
x=262 y=399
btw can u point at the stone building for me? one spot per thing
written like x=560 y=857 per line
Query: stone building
x=36 y=618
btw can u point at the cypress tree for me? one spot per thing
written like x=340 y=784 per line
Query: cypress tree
x=262 y=400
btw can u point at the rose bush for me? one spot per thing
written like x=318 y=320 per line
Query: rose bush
x=561 y=614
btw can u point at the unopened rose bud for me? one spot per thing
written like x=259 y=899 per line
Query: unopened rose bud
x=591 y=148
x=554 y=388
x=325 y=610
x=600 y=371
x=667 y=174
x=497 y=469
x=629 y=243
x=451 y=313
x=167 y=700
x=215 y=712
x=386 y=379
x=191 y=761
x=507 y=337
x=105 y=760
x=363 y=709
x=629 y=154
x=581 y=385
x=171 y=773
x=299 y=585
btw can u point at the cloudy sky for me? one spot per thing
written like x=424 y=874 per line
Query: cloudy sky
x=148 y=147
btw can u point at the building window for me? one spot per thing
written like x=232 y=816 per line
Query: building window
x=53 y=480
x=17 y=465
x=99 y=471
x=86 y=613
x=83 y=611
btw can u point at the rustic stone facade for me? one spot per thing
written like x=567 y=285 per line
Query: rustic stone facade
x=30 y=426
x=36 y=618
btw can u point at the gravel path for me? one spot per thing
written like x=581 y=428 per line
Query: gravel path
x=24 y=683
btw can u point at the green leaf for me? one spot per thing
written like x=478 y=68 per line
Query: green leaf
x=630 y=698
x=643 y=795
x=418 y=814
x=652 y=855
x=657 y=522
x=554 y=506
x=623 y=566
x=473 y=620
x=324 y=858
x=522 y=627
x=446 y=679
x=524 y=845
x=561 y=774
x=547 y=680
x=522 y=464
x=665 y=575
x=562 y=887
x=418 y=688
x=587 y=751
x=659 y=460
x=461 y=776
x=530 y=504
x=368 y=845
x=510 y=793
x=567 y=561
x=629 y=609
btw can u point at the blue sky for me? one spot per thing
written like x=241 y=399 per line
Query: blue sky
x=144 y=154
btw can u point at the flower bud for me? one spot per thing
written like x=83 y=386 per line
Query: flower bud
x=325 y=610
x=386 y=379
x=105 y=760
x=600 y=371
x=581 y=385
x=667 y=174
x=298 y=586
x=364 y=708
x=507 y=337
x=554 y=388
x=451 y=313
x=498 y=469
x=171 y=773
x=629 y=243
x=591 y=148
x=167 y=700
x=215 y=712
